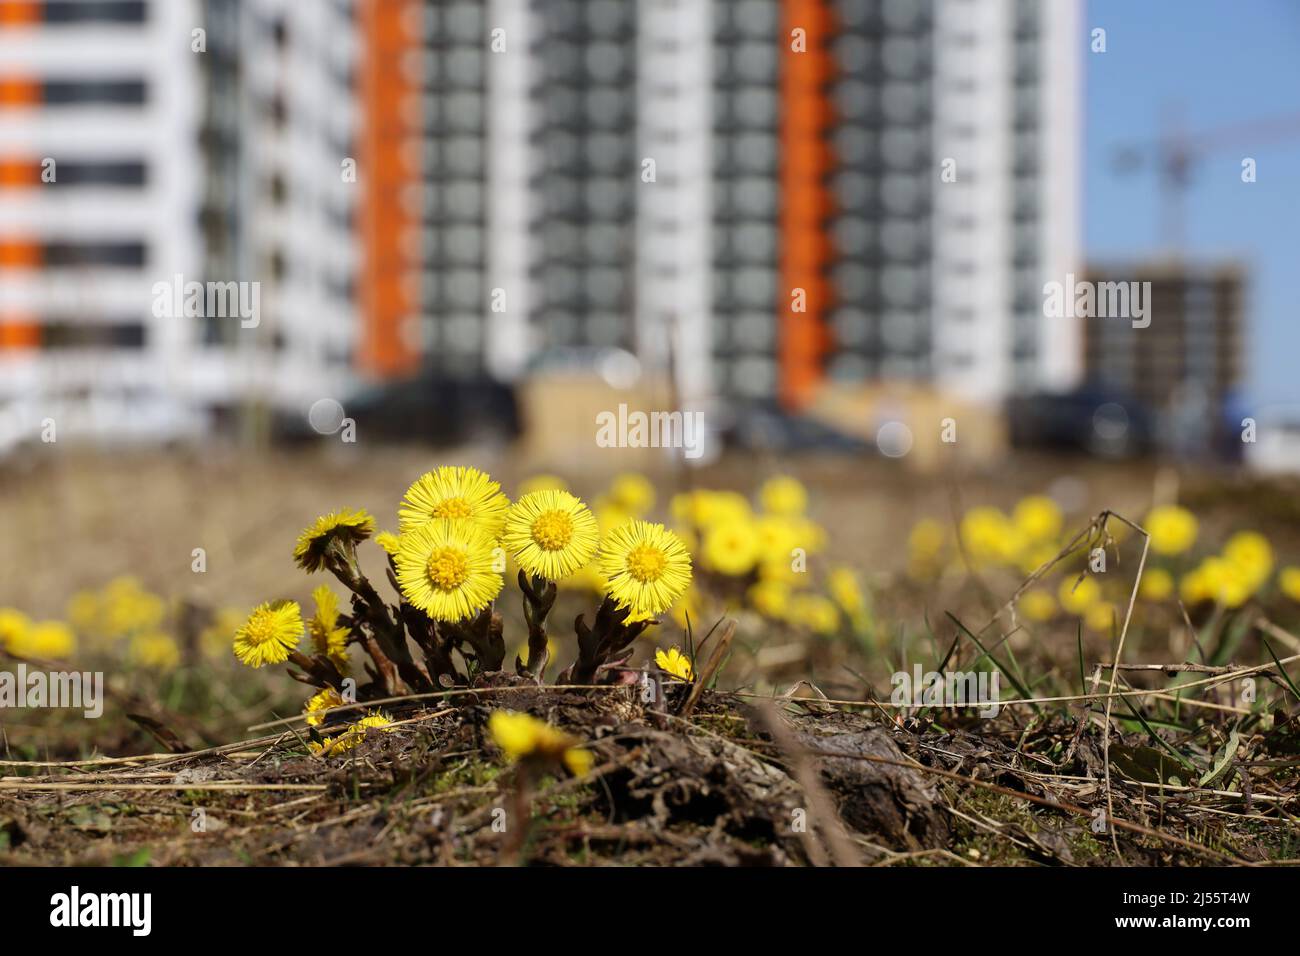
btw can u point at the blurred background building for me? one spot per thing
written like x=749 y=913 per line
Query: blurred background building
x=796 y=205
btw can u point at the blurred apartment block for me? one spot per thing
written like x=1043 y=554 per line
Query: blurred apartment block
x=819 y=203
x=185 y=142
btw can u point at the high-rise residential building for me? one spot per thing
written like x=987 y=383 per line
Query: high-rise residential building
x=768 y=195
x=177 y=224
x=98 y=201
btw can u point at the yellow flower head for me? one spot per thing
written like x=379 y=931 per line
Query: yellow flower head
x=645 y=567
x=1157 y=584
x=455 y=492
x=1216 y=579
x=1288 y=581
x=446 y=568
x=1250 y=553
x=1038 y=517
x=319 y=705
x=542 y=483
x=522 y=736
x=551 y=534
x=842 y=583
x=633 y=493
x=1101 y=617
x=1172 y=529
x=1037 y=604
x=925 y=542
x=388 y=541
x=342 y=525
x=770 y=598
x=270 y=633
x=989 y=536
x=783 y=495
x=51 y=640
x=1078 y=598
x=155 y=650
x=731 y=547
x=354 y=736
x=13 y=627
x=125 y=608
x=674 y=662
x=816 y=612
x=327 y=637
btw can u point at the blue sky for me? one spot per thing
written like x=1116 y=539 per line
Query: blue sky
x=1218 y=62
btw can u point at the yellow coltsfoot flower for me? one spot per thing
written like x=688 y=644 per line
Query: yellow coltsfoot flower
x=456 y=493
x=1288 y=582
x=50 y=640
x=645 y=566
x=1172 y=529
x=633 y=493
x=732 y=547
x=446 y=568
x=551 y=534
x=523 y=737
x=271 y=632
x=155 y=650
x=328 y=639
x=783 y=495
x=1157 y=584
x=355 y=734
x=674 y=662
x=342 y=525
x=318 y=706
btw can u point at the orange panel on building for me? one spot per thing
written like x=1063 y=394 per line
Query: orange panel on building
x=805 y=113
x=386 y=177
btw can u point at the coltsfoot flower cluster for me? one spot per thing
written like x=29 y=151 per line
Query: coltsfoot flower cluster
x=440 y=628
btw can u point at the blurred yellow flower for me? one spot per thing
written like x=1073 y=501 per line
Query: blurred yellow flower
x=1039 y=518
x=1100 y=617
x=1157 y=584
x=783 y=495
x=731 y=547
x=155 y=650
x=1215 y=579
x=1251 y=554
x=1078 y=599
x=389 y=542
x=989 y=536
x=49 y=640
x=214 y=640
x=816 y=612
x=13 y=627
x=687 y=604
x=1037 y=604
x=522 y=736
x=1172 y=529
x=270 y=633
x=633 y=493
x=454 y=493
x=1288 y=580
x=674 y=662
x=842 y=583
x=770 y=598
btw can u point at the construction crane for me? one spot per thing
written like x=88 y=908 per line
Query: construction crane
x=1176 y=152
